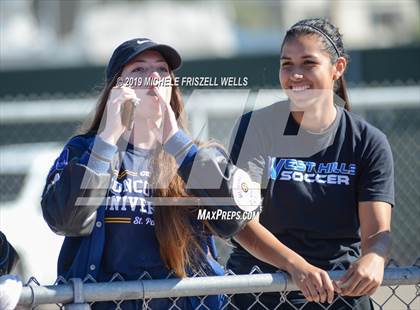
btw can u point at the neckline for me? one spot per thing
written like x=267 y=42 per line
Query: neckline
x=131 y=148
x=326 y=131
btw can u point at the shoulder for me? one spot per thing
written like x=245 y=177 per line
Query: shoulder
x=264 y=117
x=82 y=141
x=365 y=133
x=74 y=148
x=270 y=110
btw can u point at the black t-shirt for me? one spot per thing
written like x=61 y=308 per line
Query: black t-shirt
x=312 y=183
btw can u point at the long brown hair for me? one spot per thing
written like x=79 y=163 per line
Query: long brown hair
x=177 y=243
x=332 y=40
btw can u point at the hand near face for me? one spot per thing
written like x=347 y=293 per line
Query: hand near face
x=114 y=127
x=166 y=126
x=154 y=112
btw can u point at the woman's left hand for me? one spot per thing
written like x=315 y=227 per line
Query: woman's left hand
x=363 y=277
x=165 y=128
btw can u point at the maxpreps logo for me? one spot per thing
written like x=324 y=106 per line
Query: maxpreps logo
x=311 y=172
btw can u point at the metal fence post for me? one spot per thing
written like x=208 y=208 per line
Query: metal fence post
x=78 y=297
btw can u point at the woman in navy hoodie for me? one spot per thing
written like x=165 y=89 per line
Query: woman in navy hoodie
x=118 y=191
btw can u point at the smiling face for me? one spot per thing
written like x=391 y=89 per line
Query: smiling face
x=306 y=72
x=145 y=65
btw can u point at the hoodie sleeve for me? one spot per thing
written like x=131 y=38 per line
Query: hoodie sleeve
x=225 y=192
x=77 y=185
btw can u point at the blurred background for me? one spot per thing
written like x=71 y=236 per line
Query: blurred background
x=52 y=60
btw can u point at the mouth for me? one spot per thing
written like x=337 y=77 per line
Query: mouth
x=151 y=92
x=299 y=88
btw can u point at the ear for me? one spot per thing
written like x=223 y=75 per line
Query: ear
x=339 y=68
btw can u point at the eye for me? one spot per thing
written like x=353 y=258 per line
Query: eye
x=138 y=69
x=163 y=69
x=286 y=64
x=309 y=62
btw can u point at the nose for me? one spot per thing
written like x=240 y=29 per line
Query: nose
x=296 y=76
x=155 y=78
x=155 y=75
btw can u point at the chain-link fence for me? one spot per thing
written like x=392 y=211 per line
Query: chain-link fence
x=397 y=114
x=30 y=124
x=400 y=290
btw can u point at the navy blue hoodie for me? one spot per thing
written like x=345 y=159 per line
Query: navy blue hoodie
x=98 y=196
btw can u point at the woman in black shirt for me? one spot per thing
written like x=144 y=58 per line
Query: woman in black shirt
x=327 y=180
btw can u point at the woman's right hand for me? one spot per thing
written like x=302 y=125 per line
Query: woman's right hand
x=114 y=128
x=314 y=283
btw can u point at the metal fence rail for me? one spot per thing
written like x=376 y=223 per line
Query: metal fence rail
x=78 y=292
x=29 y=125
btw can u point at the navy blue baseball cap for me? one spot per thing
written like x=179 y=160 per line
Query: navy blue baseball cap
x=130 y=49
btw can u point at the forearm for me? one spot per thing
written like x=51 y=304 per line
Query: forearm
x=211 y=177
x=70 y=210
x=379 y=243
x=76 y=190
x=262 y=244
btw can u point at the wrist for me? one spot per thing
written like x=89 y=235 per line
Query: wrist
x=375 y=255
x=376 y=250
x=171 y=134
x=294 y=262
x=109 y=137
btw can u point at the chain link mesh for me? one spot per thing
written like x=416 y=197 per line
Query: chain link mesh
x=400 y=124
x=386 y=298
